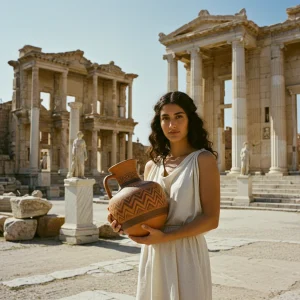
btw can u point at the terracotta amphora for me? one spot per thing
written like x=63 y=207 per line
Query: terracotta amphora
x=137 y=202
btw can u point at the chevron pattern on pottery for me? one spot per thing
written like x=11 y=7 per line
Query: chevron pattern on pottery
x=138 y=202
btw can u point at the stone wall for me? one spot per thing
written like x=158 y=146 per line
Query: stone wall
x=4 y=127
x=139 y=152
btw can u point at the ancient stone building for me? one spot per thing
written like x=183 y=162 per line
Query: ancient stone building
x=264 y=66
x=35 y=130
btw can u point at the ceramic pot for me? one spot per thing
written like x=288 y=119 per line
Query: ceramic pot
x=137 y=202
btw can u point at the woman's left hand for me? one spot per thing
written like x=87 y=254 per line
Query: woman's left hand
x=155 y=236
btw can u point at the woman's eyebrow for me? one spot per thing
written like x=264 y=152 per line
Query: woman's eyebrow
x=178 y=113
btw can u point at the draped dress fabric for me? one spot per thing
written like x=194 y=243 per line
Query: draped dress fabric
x=180 y=269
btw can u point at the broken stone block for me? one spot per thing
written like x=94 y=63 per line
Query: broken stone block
x=49 y=225
x=5 y=205
x=106 y=231
x=19 y=230
x=27 y=207
x=37 y=193
x=2 y=220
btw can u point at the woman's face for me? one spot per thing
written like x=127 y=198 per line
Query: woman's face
x=174 y=122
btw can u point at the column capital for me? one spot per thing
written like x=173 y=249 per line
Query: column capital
x=115 y=132
x=75 y=105
x=65 y=73
x=35 y=68
x=170 y=57
x=193 y=50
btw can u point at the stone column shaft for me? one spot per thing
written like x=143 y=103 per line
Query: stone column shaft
x=188 y=79
x=239 y=104
x=278 y=113
x=172 y=72
x=94 y=162
x=122 y=146
x=63 y=159
x=129 y=146
x=130 y=101
x=295 y=158
x=196 y=89
x=34 y=121
x=64 y=91
x=95 y=93
x=114 y=148
x=73 y=127
x=114 y=98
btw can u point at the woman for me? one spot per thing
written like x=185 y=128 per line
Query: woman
x=174 y=261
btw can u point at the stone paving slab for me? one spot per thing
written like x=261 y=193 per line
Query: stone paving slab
x=256 y=274
x=37 y=279
x=99 y=295
x=72 y=273
x=292 y=295
x=117 y=268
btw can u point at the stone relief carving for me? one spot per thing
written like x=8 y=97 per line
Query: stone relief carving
x=203 y=12
x=79 y=156
x=242 y=13
x=245 y=159
x=161 y=35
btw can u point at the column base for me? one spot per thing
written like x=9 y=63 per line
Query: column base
x=234 y=171
x=277 y=171
x=78 y=236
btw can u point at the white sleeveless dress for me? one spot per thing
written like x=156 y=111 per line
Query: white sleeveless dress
x=177 y=270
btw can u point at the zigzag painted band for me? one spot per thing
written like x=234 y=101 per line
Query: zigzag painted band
x=145 y=217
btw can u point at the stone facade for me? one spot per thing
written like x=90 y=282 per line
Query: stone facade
x=104 y=93
x=264 y=66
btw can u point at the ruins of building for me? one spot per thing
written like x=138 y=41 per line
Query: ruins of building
x=264 y=66
x=34 y=136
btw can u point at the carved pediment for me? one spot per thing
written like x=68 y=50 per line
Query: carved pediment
x=205 y=21
x=111 y=68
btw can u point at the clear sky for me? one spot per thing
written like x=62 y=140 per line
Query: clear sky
x=123 y=31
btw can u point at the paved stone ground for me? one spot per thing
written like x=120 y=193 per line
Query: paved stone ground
x=254 y=255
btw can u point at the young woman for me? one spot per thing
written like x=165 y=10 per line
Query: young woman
x=174 y=261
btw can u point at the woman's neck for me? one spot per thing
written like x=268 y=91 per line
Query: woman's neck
x=180 y=149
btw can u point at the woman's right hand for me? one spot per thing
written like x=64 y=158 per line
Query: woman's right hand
x=114 y=224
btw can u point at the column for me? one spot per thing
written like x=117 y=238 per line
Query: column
x=122 y=140
x=114 y=148
x=73 y=127
x=196 y=89
x=63 y=157
x=172 y=72
x=129 y=145
x=295 y=127
x=122 y=104
x=239 y=104
x=95 y=93
x=277 y=112
x=94 y=162
x=114 y=98
x=188 y=79
x=64 y=90
x=130 y=100
x=34 y=121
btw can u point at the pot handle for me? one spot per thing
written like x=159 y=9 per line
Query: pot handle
x=105 y=182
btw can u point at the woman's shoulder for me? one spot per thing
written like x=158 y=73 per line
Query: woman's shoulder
x=206 y=158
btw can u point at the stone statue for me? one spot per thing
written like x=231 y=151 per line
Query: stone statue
x=79 y=156
x=44 y=161
x=245 y=159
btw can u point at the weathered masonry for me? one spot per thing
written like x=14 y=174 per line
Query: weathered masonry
x=104 y=92
x=264 y=66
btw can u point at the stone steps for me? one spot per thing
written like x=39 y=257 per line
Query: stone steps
x=276 y=200
x=275 y=205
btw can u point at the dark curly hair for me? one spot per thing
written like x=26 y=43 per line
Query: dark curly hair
x=197 y=134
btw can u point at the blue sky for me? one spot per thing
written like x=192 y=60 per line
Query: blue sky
x=123 y=31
